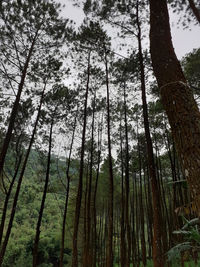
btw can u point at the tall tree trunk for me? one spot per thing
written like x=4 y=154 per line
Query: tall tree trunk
x=127 y=178
x=80 y=185
x=3 y=249
x=67 y=197
x=157 y=217
x=143 y=244
x=177 y=97
x=88 y=247
x=95 y=192
x=16 y=106
x=109 y=256
x=37 y=234
x=122 y=233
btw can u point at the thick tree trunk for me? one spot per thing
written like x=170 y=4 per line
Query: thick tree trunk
x=37 y=234
x=177 y=97
x=80 y=186
x=4 y=246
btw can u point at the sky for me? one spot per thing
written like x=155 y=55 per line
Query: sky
x=184 y=41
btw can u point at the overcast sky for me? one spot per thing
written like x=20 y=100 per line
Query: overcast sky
x=184 y=41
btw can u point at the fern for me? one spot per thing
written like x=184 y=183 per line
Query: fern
x=174 y=253
x=191 y=235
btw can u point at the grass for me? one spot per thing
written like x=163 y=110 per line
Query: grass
x=150 y=264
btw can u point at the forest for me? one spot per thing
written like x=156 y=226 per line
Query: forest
x=99 y=135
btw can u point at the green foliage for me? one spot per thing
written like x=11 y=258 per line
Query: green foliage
x=182 y=7
x=191 y=67
x=19 y=251
x=190 y=233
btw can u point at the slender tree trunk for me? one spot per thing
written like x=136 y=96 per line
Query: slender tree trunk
x=109 y=256
x=177 y=97
x=137 y=224
x=3 y=249
x=133 y=209
x=195 y=10
x=143 y=244
x=127 y=178
x=88 y=248
x=122 y=233
x=67 y=197
x=95 y=192
x=8 y=193
x=15 y=107
x=80 y=186
x=157 y=217
x=37 y=234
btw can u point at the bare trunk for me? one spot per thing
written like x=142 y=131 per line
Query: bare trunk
x=122 y=233
x=127 y=178
x=157 y=217
x=95 y=193
x=80 y=186
x=109 y=254
x=88 y=246
x=143 y=244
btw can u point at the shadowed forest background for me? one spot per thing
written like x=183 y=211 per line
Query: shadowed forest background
x=99 y=136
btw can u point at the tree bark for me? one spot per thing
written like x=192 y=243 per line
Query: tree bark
x=177 y=97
